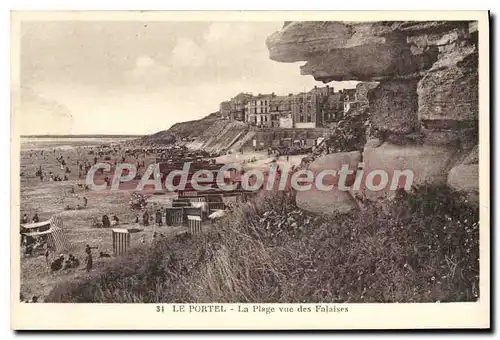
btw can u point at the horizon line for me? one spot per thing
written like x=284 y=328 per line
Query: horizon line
x=87 y=134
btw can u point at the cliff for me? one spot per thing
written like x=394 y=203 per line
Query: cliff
x=423 y=114
x=221 y=135
x=210 y=133
x=192 y=128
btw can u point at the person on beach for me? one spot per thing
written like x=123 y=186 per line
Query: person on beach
x=75 y=263
x=57 y=264
x=85 y=201
x=115 y=220
x=24 y=219
x=67 y=264
x=105 y=221
x=158 y=218
x=88 y=260
x=35 y=219
x=145 y=218
x=47 y=253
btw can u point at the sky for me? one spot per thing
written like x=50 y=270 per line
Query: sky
x=112 y=77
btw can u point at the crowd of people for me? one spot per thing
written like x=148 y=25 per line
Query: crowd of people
x=63 y=263
x=70 y=167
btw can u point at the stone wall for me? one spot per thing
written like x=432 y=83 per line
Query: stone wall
x=271 y=136
x=424 y=112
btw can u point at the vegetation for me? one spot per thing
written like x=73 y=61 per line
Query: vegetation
x=349 y=134
x=423 y=247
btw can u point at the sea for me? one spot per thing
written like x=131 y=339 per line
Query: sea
x=62 y=143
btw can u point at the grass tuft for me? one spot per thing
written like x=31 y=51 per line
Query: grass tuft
x=420 y=247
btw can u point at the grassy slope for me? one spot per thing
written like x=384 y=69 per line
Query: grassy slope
x=421 y=247
x=193 y=128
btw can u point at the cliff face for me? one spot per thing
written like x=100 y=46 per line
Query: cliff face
x=429 y=68
x=427 y=97
x=192 y=128
x=220 y=136
x=210 y=133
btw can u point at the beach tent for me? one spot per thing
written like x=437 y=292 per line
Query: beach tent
x=52 y=229
x=121 y=240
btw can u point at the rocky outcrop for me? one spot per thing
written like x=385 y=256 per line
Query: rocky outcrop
x=425 y=107
x=326 y=203
x=347 y=51
x=335 y=161
x=448 y=91
x=428 y=165
x=464 y=176
x=396 y=105
x=336 y=199
x=427 y=70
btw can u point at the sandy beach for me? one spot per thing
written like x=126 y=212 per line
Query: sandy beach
x=49 y=198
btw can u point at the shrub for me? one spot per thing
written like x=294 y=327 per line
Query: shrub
x=420 y=247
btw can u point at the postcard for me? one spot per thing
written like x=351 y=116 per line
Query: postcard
x=250 y=170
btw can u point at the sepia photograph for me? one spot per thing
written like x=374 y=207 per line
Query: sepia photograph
x=244 y=165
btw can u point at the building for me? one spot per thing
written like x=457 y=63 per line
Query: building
x=234 y=109
x=315 y=108
x=286 y=122
x=280 y=110
x=258 y=110
x=303 y=110
x=331 y=109
x=319 y=107
x=328 y=105
x=225 y=110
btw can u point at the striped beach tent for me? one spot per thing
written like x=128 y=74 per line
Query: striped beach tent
x=194 y=224
x=121 y=240
x=53 y=229
x=57 y=236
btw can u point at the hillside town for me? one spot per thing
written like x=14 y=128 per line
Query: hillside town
x=318 y=108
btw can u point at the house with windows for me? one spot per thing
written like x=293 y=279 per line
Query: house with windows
x=280 y=110
x=319 y=107
x=258 y=110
